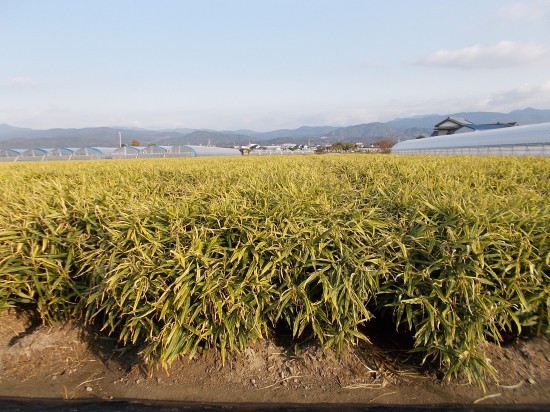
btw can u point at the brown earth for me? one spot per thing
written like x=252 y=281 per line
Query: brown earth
x=69 y=362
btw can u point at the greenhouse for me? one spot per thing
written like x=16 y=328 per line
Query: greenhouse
x=11 y=155
x=202 y=151
x=92 y=153
x=61 y=153
x=34 y=154
x=127 y=152
x=280 y=151
x=153 y=150
x=531 y=140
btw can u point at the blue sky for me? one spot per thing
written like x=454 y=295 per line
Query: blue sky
x=267 y=64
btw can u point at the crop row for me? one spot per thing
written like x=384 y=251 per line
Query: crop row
x=186 y=253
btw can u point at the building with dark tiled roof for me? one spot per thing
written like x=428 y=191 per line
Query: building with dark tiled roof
x=454 y=125
x=531 y=140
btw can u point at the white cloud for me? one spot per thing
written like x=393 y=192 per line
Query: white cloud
x=22 y=81
x=503 y=54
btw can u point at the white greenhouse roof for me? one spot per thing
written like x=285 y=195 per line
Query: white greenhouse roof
x=535 y=134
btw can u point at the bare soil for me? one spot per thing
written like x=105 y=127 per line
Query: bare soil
x=67 y=361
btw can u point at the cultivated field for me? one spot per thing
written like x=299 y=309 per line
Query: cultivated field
x=185 y=254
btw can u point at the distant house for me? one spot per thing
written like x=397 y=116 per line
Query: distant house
x=455 y=125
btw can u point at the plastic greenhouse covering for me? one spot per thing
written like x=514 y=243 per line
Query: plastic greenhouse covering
x=93 y=153
x=531 y=140
x=202 y=151
x=10 y=155
x=154 y=150
x=124 y=152
x=62 y=151
x=127 y=152
x=35 y=152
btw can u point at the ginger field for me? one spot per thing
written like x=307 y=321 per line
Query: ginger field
x=178 y=255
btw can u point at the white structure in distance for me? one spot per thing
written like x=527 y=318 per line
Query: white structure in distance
x=531 y=140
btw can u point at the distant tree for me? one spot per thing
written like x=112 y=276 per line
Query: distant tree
x=135 y=142
x=342 y=147
x=385 y=145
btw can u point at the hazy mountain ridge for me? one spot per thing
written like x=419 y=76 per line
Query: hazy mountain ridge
x=304 y=132
x=96 y=136
x=396 y=129
x=199 y=137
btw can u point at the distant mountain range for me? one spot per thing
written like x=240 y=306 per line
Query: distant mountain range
x=397 y=129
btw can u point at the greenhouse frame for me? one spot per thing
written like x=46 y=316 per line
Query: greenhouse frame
x=531 y=140
x=154 y=150
x=93 y=153
x=61 y=153
x=202 y=151
x=124 y=152
x=269 y=152
x=127 y=152
x=11 y=155
x=34 y=154
x=132 y=152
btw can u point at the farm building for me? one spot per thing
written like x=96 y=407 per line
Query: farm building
x=202 y=151
x=532 y=140
x=455 y=125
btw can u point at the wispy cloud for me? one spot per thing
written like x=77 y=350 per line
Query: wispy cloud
x=34 y=117
x=526 y=11
x=535 y=95
x=503 y=54
x=22 y=81
x=506 y=100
